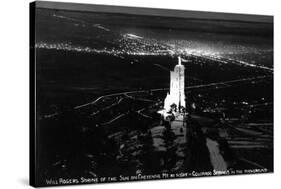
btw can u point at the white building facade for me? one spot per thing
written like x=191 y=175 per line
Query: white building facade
x=176 y=96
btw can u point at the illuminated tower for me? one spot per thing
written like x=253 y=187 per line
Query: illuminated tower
x=176 y=95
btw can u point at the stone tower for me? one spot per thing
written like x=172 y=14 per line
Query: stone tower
x=176 y=95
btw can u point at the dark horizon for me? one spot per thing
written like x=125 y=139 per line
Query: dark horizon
x=140 y=11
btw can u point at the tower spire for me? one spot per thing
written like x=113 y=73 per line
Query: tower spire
x=179 y=60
